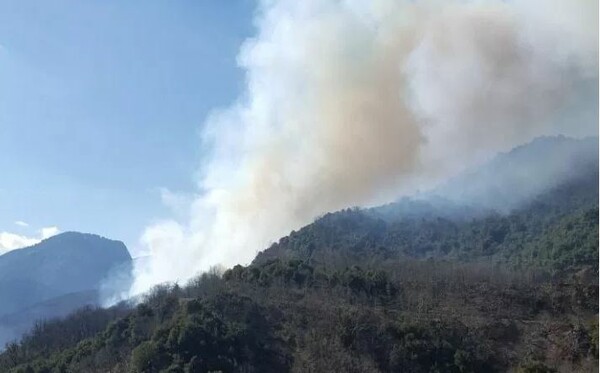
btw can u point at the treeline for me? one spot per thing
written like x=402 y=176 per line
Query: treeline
x=402 y=288
x=293 y=316
x=556 y=232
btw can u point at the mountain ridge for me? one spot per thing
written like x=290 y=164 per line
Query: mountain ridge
x=67 y=263
x=403 y=229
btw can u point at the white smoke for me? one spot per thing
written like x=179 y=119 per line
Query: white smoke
x=355 y=102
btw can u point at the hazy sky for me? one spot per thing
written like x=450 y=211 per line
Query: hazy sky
x=101 y=103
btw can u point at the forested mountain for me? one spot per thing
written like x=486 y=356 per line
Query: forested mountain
x=55 y=277
x=557 y=230
x=419 y=285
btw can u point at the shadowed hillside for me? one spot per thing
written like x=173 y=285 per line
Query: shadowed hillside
x=55 y=277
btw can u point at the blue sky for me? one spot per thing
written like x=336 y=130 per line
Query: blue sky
x=101 y=103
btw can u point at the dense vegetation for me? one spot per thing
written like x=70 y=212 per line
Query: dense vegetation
x=424 y=316
x=414 y=286
x=557 y=231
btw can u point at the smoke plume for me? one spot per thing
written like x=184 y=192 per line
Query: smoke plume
x=357 y=102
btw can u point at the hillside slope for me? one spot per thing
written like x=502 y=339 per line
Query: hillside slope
x=512 y=179
x=555 y=229
x=426 y=285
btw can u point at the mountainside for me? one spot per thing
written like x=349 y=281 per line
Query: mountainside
x=13 y=325
x=514 y=178
x=555 y=229
x=419 y=285
x=54 y=277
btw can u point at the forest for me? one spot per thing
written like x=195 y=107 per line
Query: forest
x=414 y=286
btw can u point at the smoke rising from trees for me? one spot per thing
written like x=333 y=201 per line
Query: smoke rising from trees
x=355 y=103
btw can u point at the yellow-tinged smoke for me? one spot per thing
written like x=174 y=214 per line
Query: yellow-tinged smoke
x=356 y=102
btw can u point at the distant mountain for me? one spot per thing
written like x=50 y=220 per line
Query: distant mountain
x=58 y=275
x=13 y=325
x=512 y=178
